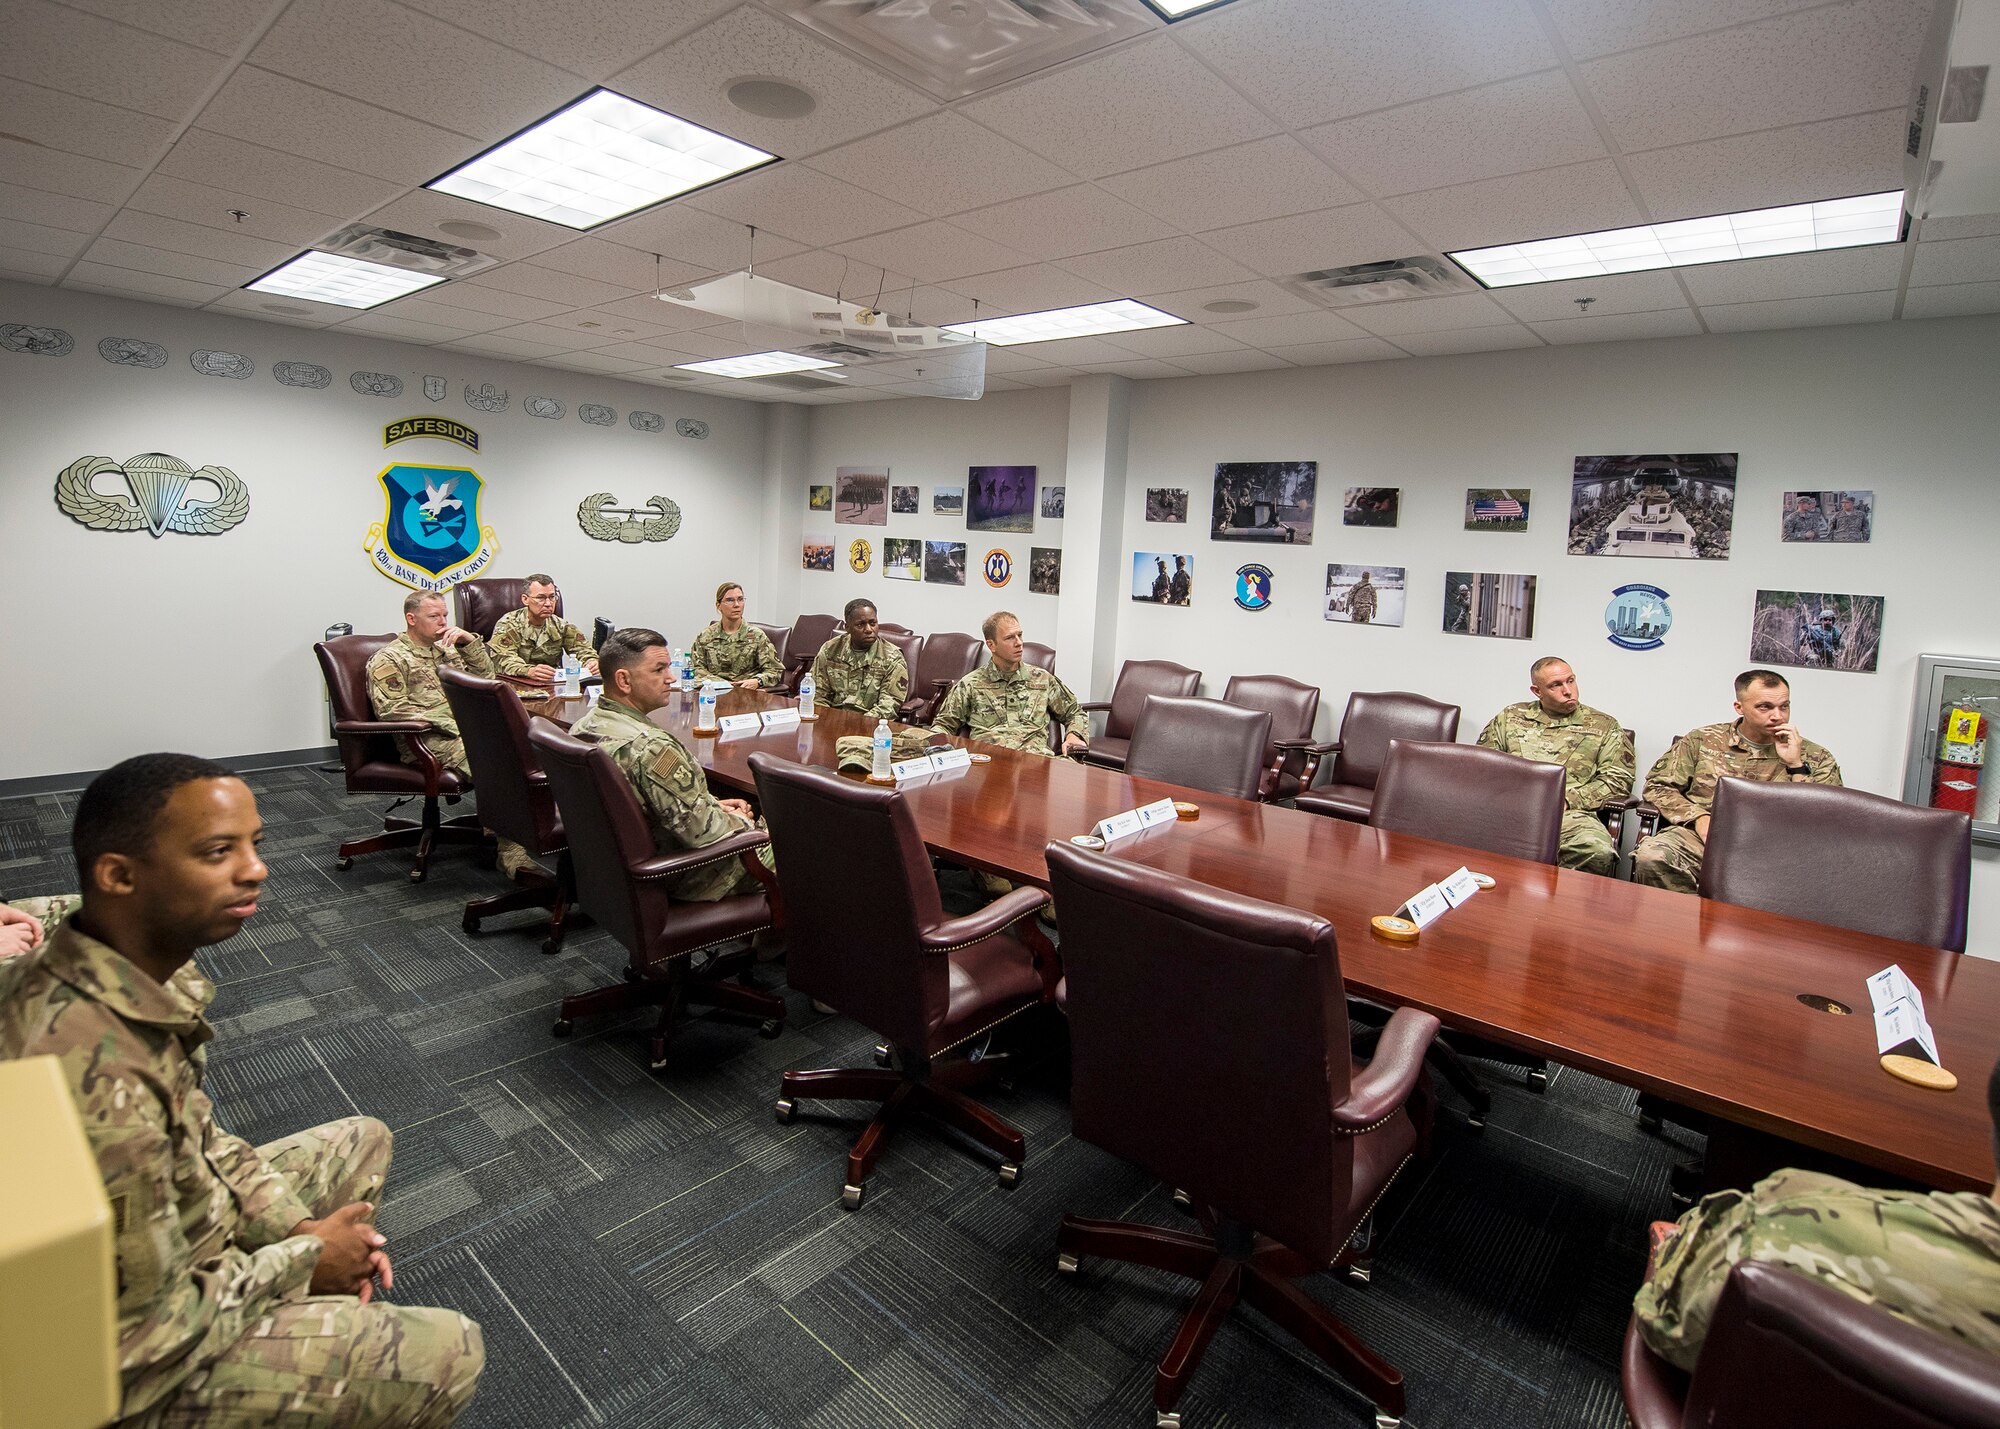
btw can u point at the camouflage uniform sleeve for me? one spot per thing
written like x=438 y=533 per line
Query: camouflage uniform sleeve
x=389 y=690
x=576 y=643
x=49 y=912
x=770 y=669
x=1825 y=768
x=677 y=798
x=1494 y=735
x=1667 y=782
x=895 y=689
x=1610 y=781
x=505 y=647
x=822 y=676
x=473 y=656
x=269 y=1204
x=1063 y=705
x=1674 y=1308
x=951 y=715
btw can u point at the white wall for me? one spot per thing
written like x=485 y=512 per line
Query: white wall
x=203 y=644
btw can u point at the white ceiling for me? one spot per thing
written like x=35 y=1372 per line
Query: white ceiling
x=1190 y=164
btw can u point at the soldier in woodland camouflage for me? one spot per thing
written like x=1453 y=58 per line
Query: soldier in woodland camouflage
x=638 y=678
x=1804 y=522
x=857 y=671
x=1850 y=523
x=733 y=650
x=530 y=643
x=1555 y=727
x=246 y=1275
x=1010 y=702
x=1760 y=744
x=1930 y=1258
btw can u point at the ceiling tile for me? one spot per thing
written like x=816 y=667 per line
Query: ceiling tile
x=558 y=338
x=388 y=323
x=1322 y=354
x=1962 y=260
x=598 y=362
x=153 y=287
x=420 y=212
x=71 y=174
x=652 y=312
x=1266 y=179
x=1550 y=203
x=493 y=302
x=72 y=125
x=1242 y=360
x=1598 y=27
x=1461 y=310
x=594 y=327
x=1143 y=103
x=593 y=38
x=533 y=282
x=646 y=354
x=817 y=271
x=1797 y=275
x=1836 y=158
x=1064 y=222
x=294 y=118
x=1266 y=299
x=1306 y=242
x=932 y=252
x=1617 y=327
x=1174 y=342
x=701 y=240
x=1137 y=367
x=258 y=254
x=210 y=208
x=1070 y=352
x=1952 y=300
x=20 y=263
x=203 y=157
x=260 y=305
x=620 y=266
x=1619 y=293
x=223 y=26
x=1478 y=339
x=1290 y=329
x=39 y=238
x=1033 y=289
x=1801 y=312
x=423 y=307
x=139 y=258
x=1819 y=64
x=942 y=164
x=1006 y=359
x=381 y=53
x=690 y=78
x=804 y=204
x=53 y=210
x=1309 y=61
x=1047 y=377
x=65 y=49
x=1973 y=225
x=1530 y=123
x=488 y=344
x=1162 y=267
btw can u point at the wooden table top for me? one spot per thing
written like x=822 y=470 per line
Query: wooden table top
x=1693 y=999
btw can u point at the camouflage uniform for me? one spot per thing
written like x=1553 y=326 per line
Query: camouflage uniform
x=403 y=684
x=674 y=793
x=216 y=1326
x=49 y=912
x=1930 y=1258
x=1805 y=525
x=874 y=681
x=516 y=645
x=718 y=656
x=1681 y=786
x=1598 y=763
x=1850 y=525
x=1361 y=601
x=1011 y=710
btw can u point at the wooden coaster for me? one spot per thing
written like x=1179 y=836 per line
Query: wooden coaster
x=1089 y=841
x=1918 y=1072
x=1396 y=930
x=888 y=780
x=1186 y=812
x=701 y=733
x=1484 y=880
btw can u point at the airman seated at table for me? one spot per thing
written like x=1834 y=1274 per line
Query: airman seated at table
x=1762 y=743
x=682 y=813
x=733 y=650
x=529 y=643
x=1010 y=702
x=247 y=1274
x=1930 y=1258
x=856 y=671
x=1556 y=727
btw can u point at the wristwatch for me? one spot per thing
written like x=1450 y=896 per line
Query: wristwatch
x=1798 y=769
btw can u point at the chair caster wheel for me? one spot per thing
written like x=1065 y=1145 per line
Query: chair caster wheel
x=470 y=924
x=1356 y=1274
x=341 y=865
x=1183 y=1200
x=1010 y=1175
x=562 y=1028
x=1385 y=1420
x=418 y=875
x=1066 y=1264
x=769 y=1028
x=850 y=1197
x=1475 y=1122
x=784 y=1111
x=882 y=1055
x=551 y=946
x=1166 y=1419
x=1538 y=1080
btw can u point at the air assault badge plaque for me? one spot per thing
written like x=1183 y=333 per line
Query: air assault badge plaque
x=429 y=537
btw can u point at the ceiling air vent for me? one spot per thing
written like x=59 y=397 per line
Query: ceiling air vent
x=1389 y=281
x=406 y=251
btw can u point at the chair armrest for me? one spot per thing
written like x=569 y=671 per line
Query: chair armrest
x=380 y=726
x=667 y=865
x=1391 y=1074
x=1093 y=706
x=1311 y=746
x=993 y=918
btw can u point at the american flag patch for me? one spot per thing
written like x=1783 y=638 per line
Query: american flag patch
x=1505 y=508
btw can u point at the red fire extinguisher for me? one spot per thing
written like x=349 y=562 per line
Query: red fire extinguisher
x=1961 y=759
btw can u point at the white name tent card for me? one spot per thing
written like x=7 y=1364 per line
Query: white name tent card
x=1459 y=887
x=737 y=723
x=1426 y=907
x=953 y=758
x=1893 y=985
x=912 y=768
x=1119 y=826
x=1160 y=811
x=1899 y=1014
x=780 y=719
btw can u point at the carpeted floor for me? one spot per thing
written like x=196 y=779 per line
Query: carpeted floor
x=654 y=1249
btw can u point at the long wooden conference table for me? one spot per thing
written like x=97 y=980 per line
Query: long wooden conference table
x=1695 y=1000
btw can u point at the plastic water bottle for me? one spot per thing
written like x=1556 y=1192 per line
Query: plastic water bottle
x=705 y=709
x=684 y=669
x=806 y=692
x=571 y=673
x=883 y=740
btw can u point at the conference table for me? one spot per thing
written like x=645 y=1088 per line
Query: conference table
x=1695 y=1000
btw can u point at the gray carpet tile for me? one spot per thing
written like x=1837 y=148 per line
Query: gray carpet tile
x=652 y=1249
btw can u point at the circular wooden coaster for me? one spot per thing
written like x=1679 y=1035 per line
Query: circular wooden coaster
x=701 y=733
x=1918 y=1072
x=888 y=779
x=1484 y=880
x=982 y=758
x=1090 y=841
x=1396 y=930
x=1186 y=812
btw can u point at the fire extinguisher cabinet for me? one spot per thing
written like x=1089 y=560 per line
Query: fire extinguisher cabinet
x=1954 y=759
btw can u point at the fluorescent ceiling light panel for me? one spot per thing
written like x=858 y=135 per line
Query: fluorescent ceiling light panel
x=344 y=282
x=1090 y=320
x=1172 y=10
x=601 y=158
x=1756 y=233
x=756 y=364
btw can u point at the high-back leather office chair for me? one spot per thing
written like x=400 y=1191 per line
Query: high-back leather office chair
x=1291 y=757
x=622 y=879
x=780 y=637
x=911 y=645
x=809 y=632
x=1033 y=652
x=1136 y=680
x=602 y=628
x=371 y=765
x=480 y=604
x=948 y=656
x=1374 y=718
x=1841 y=856
x=1203 y=744
x=1254 y=1108
x=1786 y=1351
x=868 y=935
x=514 y=798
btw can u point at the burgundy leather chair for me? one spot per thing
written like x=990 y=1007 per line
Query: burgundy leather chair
x=1374 y=718
x=809 y=632
x=621 y=878
x=869 y=936
x=1785 y=1351
x=1136 y=680
x=780 y=637
x=480 y=604
x=1282 y=1142
x=947 y=657
x=1202 y=744
x=371 y=765
x=1033 y=652
x=514 y=798
x=1291 y=758
x=1841 y=856
x=912 y=646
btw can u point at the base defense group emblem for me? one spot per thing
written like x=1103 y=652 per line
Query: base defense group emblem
x=859 y=554
x=998 y=568
x=1253 y=587
x=429 y=537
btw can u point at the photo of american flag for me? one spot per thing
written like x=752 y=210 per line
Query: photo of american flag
x=1493 y=509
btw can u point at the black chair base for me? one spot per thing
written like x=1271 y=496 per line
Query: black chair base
x=940 y=1097
x=535 y=890
x=1233 y=1264
x=423 y=835
x=674 y=989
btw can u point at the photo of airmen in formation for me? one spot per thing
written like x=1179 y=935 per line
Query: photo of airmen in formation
x=1162 y=578
x=1000 y=498
x=1658 y=506
x=1829 y=516
x=1264 y=501
x=944 y=562
x=861 y=496
x=1821 y=632
x=1371 y=506
x=1365 y=595
x=1045 y=570
x=1166 y=503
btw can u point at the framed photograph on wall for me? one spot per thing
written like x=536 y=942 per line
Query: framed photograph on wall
x=1163 y=577
x=1052 y=502
x=947 y=500
x=1492 y=508
x=1816 y=630
x=861 y=496
x=902 y=501
x=1264 y=501
x=819 y=498
x=818 y=556
x=1000 y=498
x=1371 y=506
x=1366 y=595
x=1166 y=503
x=1045 y=570
x=944 y=562
x=902 y=560
x=1679 y=505
x=1828 y=516
x=1480 y=603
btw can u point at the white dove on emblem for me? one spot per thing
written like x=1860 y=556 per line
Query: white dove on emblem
x=438 y=499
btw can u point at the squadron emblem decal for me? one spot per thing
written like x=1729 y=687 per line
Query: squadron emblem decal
x=429 y=537
x=658 y=520
x=165 y=495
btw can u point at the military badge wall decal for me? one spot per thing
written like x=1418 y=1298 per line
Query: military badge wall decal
x=429 y=537
x=1253 y=587
x=860 y=555
x=998 y=568
x=131 y=352
x=165 y=494
x=658 y=520
x=36 y=341
x=1638 y=617
x=434 y=388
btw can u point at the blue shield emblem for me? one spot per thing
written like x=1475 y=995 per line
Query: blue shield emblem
x=1638 y=617
x=1253 y=587
x=433 y=517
